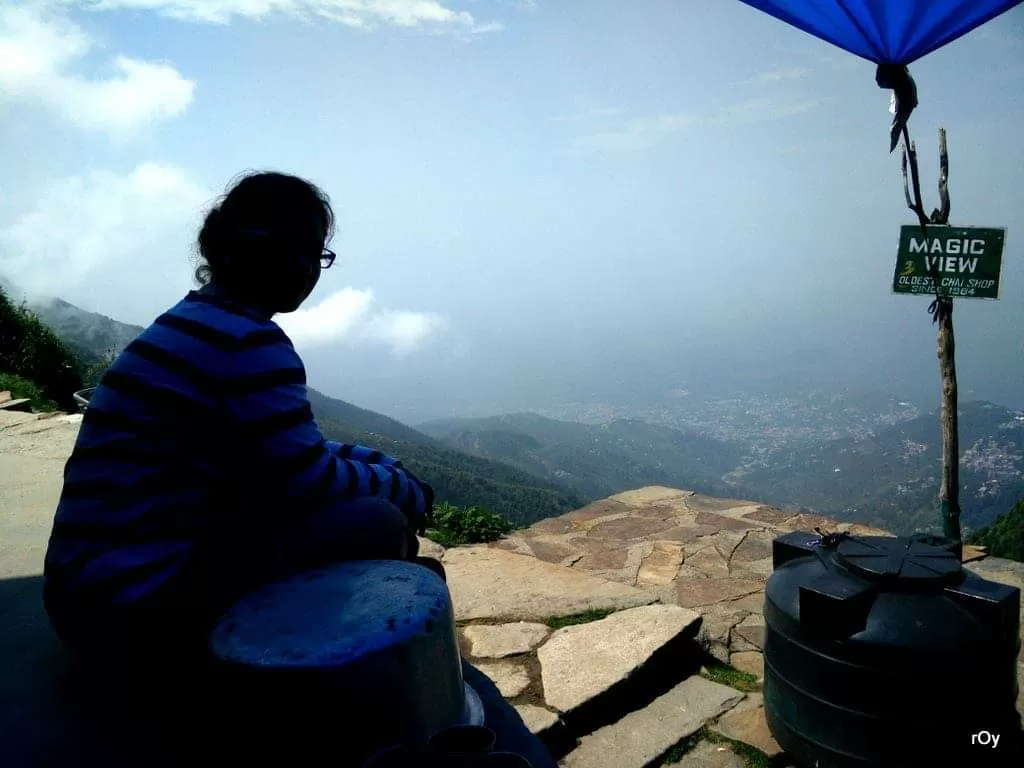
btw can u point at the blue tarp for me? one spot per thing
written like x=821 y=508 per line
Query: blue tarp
x=886 y=31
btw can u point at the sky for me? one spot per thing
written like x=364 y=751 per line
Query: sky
x=538 y=200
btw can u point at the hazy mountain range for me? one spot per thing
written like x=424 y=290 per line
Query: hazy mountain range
x=872 y=460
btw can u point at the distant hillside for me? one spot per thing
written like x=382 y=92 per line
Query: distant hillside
x=595 y=460
x=36 y=363
x=891 y=479
x=91 y=335
x=458 y=478
x=1005 y=537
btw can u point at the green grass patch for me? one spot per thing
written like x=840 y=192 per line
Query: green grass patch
x=726 y=675
x=557 y=622
x=751 y=756
x=679 y=751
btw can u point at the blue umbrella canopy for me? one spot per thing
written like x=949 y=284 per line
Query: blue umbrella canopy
x=894 y=32
x=891 y=33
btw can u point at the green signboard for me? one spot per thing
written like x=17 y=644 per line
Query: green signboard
x=966 y=261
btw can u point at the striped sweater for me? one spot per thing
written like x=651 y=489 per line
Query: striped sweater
x=202 y=424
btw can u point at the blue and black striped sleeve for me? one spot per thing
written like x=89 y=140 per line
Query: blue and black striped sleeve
x=361 y=453
x=267 y=400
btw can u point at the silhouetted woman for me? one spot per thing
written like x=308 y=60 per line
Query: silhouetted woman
x=199 y=474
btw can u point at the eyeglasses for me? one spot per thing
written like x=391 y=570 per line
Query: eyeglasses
x=326 y=259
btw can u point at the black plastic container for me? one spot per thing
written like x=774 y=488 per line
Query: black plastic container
x=885 y=652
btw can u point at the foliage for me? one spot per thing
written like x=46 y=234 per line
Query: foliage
x=30 y=350
x=454 y=526
x=596 y=460
x=750 y=756
x=19 y=388
x=734 y=678
x=596 y=614
x=457 y=478
x=97 y=366
x=1005 y=537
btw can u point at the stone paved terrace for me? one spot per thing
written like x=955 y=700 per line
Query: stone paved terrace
x=681 y=555
x=655 y=575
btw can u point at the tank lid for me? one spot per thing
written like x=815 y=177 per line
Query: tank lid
x=911 y=561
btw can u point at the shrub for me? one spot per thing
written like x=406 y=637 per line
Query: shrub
x=1005 y=537
x=31 y=351
x=454 y=526
x=19 y=388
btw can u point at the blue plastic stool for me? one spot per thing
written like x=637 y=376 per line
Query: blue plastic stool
x=344 y=659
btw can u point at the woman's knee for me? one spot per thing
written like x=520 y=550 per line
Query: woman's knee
x=364 y=528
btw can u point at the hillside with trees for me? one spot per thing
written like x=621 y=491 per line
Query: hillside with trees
x=1005 y=537
x=596 y=460
x=35 y=363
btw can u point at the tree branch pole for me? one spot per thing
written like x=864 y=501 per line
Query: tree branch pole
x=941 y=310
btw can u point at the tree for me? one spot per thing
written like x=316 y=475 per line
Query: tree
x=1005 y=537
x=30 y=350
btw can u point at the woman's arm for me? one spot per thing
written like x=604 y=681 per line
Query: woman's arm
x=361 y=453
x=267 y=402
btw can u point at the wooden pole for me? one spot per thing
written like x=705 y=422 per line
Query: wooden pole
x=949 y=491
x=941 y=310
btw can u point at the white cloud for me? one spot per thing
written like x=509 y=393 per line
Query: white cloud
x=778 y=75
x=348 y=316
x=638 y=133
x=763 y=109
x=120 y=244
x=122 y=231
x=644 y=132
x=38 y=50
x=355 y=13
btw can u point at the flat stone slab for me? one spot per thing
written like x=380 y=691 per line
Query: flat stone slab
x=551 y=525
x=751 y=662
x=756 y=545
x=645 y=735
x=697 y=592
x=724 y=523
x=430 y=548
x=770 y=515
x=751 y=629
x=537 y=719
x=500 y=640
x=709 y=561
x=487 y=583
x=550 y=551
x=510 y=678
x=628 y=528
x=595 y=511
x=651 y=494
x=755 y=569
x=752 y=603
x=708 y=755
x=719 y=621
x=581 y=662
x=750 y=727
x=972 y=553
x=661 y=566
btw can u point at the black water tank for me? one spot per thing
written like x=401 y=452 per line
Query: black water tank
x=885 y=652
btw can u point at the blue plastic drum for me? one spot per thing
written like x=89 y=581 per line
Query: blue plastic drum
x=364 y=650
